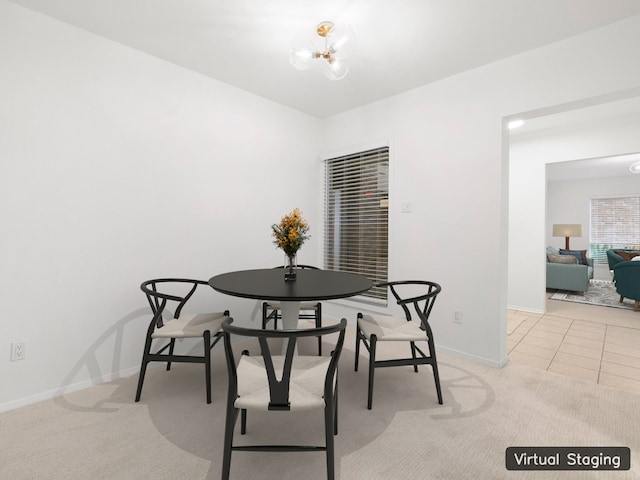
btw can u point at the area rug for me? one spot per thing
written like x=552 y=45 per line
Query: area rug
x=600 y=293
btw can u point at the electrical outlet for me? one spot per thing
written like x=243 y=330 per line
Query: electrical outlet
x=18 y=350
x=457 y=316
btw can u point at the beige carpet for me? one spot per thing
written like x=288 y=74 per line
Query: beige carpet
x=100 y=433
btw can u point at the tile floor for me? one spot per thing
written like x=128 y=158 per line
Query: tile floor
x=592 y=343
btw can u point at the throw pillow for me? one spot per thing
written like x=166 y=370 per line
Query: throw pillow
x=581 y=255
x=562 y=258
x=553 y=250
x=626 y=256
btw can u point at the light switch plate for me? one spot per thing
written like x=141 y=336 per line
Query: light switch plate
x=407 y=207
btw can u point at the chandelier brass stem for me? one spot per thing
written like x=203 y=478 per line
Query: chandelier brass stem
x=326 y=55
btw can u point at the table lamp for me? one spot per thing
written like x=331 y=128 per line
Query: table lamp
x=567 y=230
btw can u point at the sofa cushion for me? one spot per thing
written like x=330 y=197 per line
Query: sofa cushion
x=581 y=255
x=553 y=250
x=627 y=255
x=561 y=258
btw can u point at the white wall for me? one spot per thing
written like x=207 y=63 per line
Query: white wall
x=530 y=217
x=448 y=159
x=117 y=167
x=100 y=144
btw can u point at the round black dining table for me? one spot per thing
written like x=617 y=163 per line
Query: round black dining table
x=309 y=285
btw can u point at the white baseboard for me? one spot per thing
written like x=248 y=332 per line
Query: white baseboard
x=473 y=358
x=57 y=392
x=526 y=309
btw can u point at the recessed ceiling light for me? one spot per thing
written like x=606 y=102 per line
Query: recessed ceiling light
x=515 y=124
x=635 y=167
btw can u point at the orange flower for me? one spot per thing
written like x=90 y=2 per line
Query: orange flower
x=291 y=232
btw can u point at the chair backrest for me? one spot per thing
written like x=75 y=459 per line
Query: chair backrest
x=422 y=303
x=158 y=300
x=279 y=389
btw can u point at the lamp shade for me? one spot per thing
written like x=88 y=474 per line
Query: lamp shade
x=567 y=230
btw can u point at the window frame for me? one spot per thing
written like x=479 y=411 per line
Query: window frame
x=367 y=157
x=598 y=250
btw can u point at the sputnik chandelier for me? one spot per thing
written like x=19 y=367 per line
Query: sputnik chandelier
x=339 y=41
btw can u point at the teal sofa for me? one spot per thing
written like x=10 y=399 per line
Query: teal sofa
x=568 y=276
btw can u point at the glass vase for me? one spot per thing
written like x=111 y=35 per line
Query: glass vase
x=290 y=265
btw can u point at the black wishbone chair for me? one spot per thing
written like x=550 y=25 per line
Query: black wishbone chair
x=308 y=311
x=207 y=326
x=373 y=329
x=288 y=382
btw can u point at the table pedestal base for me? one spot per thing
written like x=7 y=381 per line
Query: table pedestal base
x=290 y=315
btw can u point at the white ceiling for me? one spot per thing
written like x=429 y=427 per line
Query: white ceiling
x=588 y=119
x=604 y=167
x=402 y=44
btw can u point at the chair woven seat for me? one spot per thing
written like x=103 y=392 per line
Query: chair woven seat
x=306 y=388
x=190 y=326
x=388 y=328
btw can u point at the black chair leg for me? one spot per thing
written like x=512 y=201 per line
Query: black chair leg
x=318 y=325
x=143 y=367
x=413 y=354
x=329 y=419
x=335 y=410
x=269 y=316
x=172 y=344
x=437 y=380
x=264 y=315
x=232 y=415
x=143 y=370
x=434 y=365
x=358 y=338
x=372 y=364
x=207 y=362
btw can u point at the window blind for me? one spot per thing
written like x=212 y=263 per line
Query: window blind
x=615 y=223
x=356 y=223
